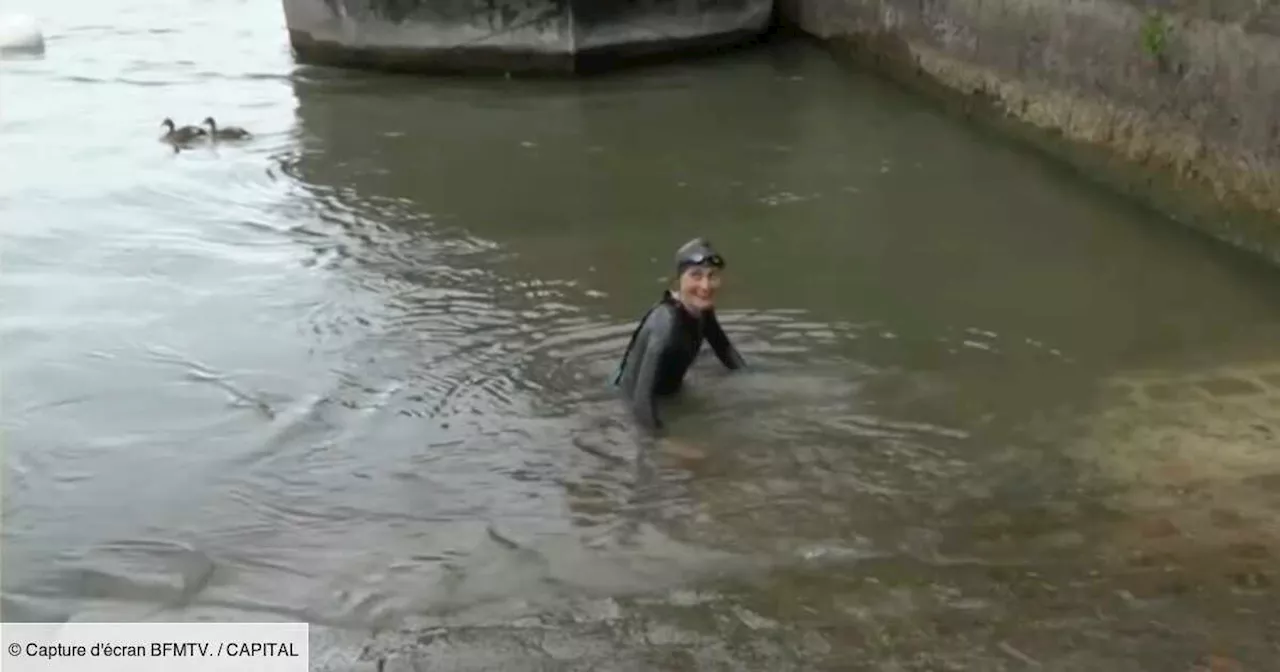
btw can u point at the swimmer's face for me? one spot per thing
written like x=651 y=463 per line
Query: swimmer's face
x=699 y=285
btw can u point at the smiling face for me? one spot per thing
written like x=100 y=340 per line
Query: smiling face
x=698 y=287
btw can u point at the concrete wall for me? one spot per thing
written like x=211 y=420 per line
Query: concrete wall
x=513 y=35
x=1175 y=101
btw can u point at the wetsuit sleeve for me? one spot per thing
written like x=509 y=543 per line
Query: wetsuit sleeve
x=720 y=344
x=652 y=344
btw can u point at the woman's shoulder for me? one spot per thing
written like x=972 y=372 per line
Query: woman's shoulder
x=662 y=315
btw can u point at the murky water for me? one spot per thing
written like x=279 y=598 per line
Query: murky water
x=354 y=371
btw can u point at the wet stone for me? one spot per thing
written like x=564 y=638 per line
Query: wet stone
x=968 y=604
x=1120 y=393
x=1169 y=392
x=1062 y=510
x=771 y=654
x=1229 y=387
x=1250 y=551
x=659 y=634
x=1064 y=539
x=676 y=659
x=753 y=620
x=1251 y=580
x=689 y=598
x=994 y=519
x=1264 y=430
x=1269 y=482
x=816 y=644
x=1216 y=663
x=1225 y=518
x=1157 y=529
x=779 y=486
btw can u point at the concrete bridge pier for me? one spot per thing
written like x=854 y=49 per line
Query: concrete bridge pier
x=516 y=36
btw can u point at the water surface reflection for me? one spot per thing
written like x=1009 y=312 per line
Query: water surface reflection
x=355 y=372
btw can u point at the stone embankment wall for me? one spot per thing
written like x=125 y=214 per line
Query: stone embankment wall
x=521 y=36
x=1174 y=101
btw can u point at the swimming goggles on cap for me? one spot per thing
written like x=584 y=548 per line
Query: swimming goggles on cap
x=700 y=258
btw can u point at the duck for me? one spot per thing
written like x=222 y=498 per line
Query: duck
x=184 y=134
x=226 y=132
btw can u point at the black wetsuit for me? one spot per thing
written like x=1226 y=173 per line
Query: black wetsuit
x=662 y=349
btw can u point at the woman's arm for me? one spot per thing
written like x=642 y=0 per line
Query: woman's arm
x=720 y=344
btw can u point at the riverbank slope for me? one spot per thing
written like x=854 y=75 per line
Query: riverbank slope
x=1176 y=102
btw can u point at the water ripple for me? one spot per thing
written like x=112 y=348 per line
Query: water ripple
x=350 y=372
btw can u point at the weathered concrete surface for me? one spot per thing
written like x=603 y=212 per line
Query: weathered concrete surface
x=1175 y=101
x=1193 y=461
x=559 y=36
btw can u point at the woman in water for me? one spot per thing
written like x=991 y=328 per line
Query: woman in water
x=669 y=336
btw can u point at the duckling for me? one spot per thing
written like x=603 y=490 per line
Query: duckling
x=226 y=132
x=184 y=134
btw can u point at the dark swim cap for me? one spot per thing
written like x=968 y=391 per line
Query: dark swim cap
x=696 y=253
